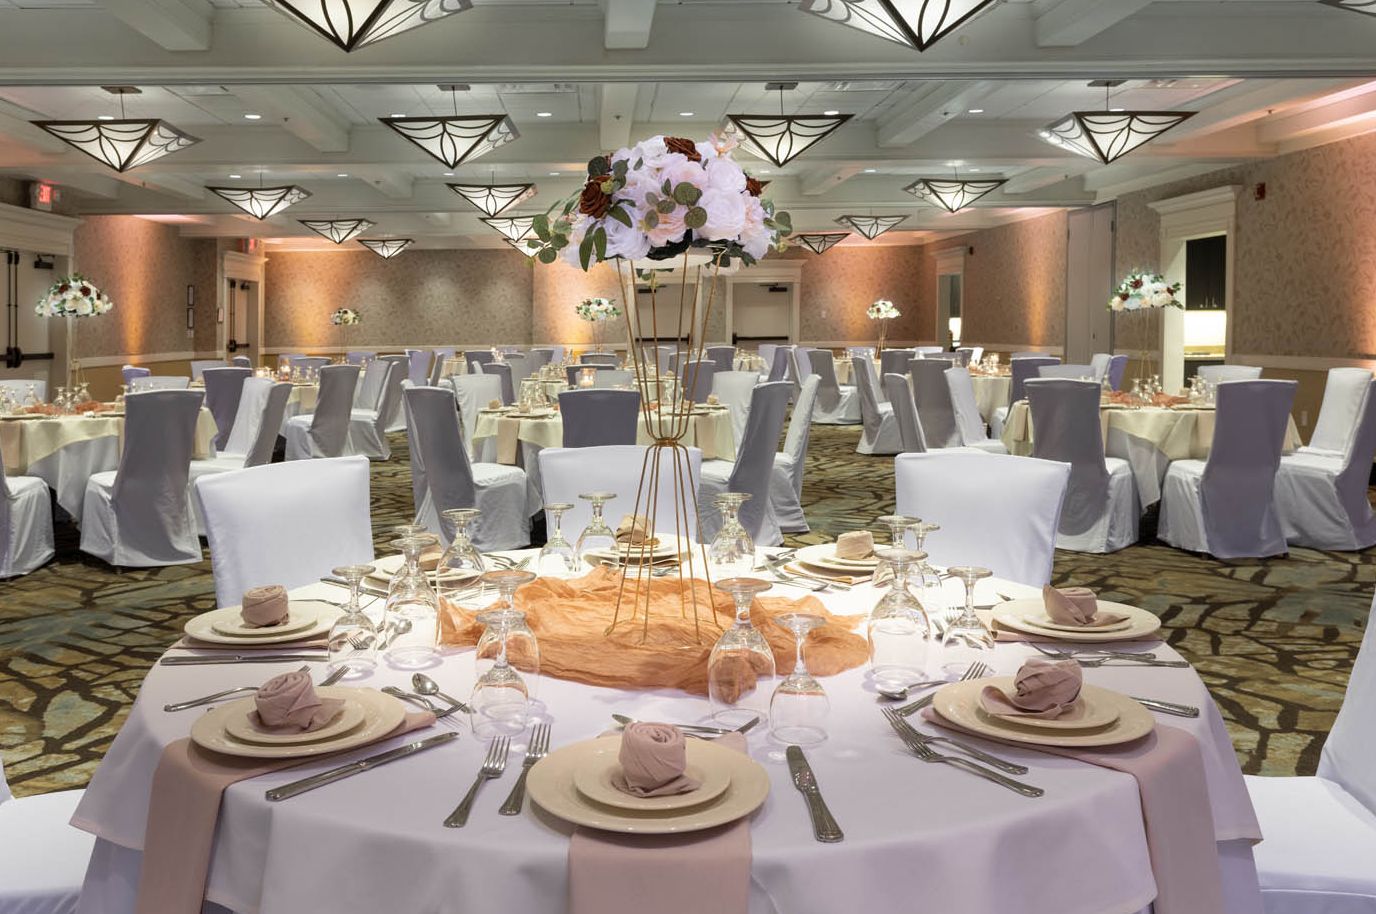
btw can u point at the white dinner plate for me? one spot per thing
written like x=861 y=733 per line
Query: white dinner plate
x=202 y=627
x=241 y=726
x=594 y=780
x=958 y=702
x=1088 y=712
x=551 y=786
x=381 y=715
x=1045 y=621
x=1019 y=615
x=823 y=555
x=299 y=618
x=665 y=546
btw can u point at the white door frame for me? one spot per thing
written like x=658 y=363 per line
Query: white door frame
x=949 y=262
x=781 y=271
x=245 y=268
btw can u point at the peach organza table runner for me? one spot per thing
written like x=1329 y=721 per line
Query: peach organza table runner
x=570 y=617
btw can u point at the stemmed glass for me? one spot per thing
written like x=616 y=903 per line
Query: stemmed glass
x=798 y=711
x=898 y=525
x=967 y=631
x=412 y=628
x=556 y=555
x=410 y=564
x=461 y=566
x=732 y=552
x=596 y=536
x=899 y=626
x=741 y=663
x=500 y=696
x=353 y=637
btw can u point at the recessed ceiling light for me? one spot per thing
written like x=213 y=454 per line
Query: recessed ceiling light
x=870 y=171
x=105 y=117
x=253 y=117
x=685 y=114
x=341 y=176
x=554 y=174
x=449 y=174
x=832 y=113
x=236 y=176
x=544 y=114
x=954 y=164
x=973 y=169
x=396 y=115
x=976 y=111
x=1116 y=109
x=764 y=171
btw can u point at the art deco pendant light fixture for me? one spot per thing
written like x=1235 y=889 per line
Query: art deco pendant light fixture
x=1108 y=135
x=953 y=194
x=455 y=138
x=493 y=198
x=124 y=143
x=523 y=248
x=870 y=226
x=386 y=248
x=262 y=202
x=515 y=228
x=820 y=242
x=1366 y=7
x=338 y=230
x=918 y=24
x=352 y=24
x=783 y=137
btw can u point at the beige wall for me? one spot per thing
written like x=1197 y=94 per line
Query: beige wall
x=839 y=285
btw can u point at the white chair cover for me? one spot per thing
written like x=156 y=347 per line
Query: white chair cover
x=1100 y=362
x=777 y=362
x=696 y=380
x=359 y=357
x=452 y=481
x=285 y=523
x=803 y=363
x=437 y=364
x=879 y=432
x=139 y=515
x=243 y=431
x=44 y=862
x=566 y=473
x=369 y=390
x=609 y=378
x=368 y=428
x=1117 y=367
x=932 y=396
x=723 y=357
x=130 y=372
x=222 y=388
x=596 y=418
x=198 y=366
x=1216 y=374
x=1344 y=396
x=520 y=369
x=751 y=470
x=1021 y=367
x=904 y=413
x=600 y=358
x=502 y=371
x=1101 y=509
x=26 y=532
x=766 y=353
x=1071 y=371
x=995 y=510
x=1225 y=506
x=253 y=438
x=969 y=423
x=473 y=392
x=1322 y=501
x=794 y=373
x=1351 y=744
x=161 y=382
x=836 y=405
x=242 y=361
x=895 y=360
x=324 y=432
x=925 y=352
x=733 y=390
x=397 y=421
x=19 y=388
x=786 y=485
x=418 y=366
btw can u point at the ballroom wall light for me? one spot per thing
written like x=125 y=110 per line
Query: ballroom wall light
x=820 y=242
x=352 y=24
x=896 y=20
x=386 y=248
x=338 y=230
x=870 y=226
x=493 y=198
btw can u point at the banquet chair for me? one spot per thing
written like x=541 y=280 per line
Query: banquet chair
x=453 y=481
x=879 y=428
x=130 y=372
x=324 y=432
x=540 y=356
x=766 y=352
x=520 y=369
x=242 y=361
x=1344 y=398
x=369 y=388
x=26 y=530
x=959 y=359
x=800 y=363
x=1216 y=374
x=198 y=366
x=1101 y=509
x=786 y=485
x=905 y=413
x=45 y=856
x=161 y=382
x=367 y=434
x=995 y=510
x=697 y=380
x=623 y=470
x=285 y=523
x=593 y=418
x=723 y=357
x=1067 y=371
x=778 y=363
x=926 y=352
x=1117 y=367
x=600 y=358
x=502 y=371
x=571 y=372
x=751 y=471
x=18 y=388
x=476 y=358
x=1322 y=501
x=895 y=360
x=1225 y=506
x=437 y=365
x=969 y=423
x=397 y=421
x=836 y=405
x=1100 y=362
x=139 y=515
x=359 y=357
x=1321 y=831
x=1020 y=369
x=309 y=365
x=222 y=390
x=795 y=374
x=611 y=378
x=932 y=395
x=473 y=392
x=418 y=366
x=973 y=354
x=253 y=437
x=732 y=390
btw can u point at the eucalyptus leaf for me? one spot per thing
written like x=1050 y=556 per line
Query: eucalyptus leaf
x=600 y=243
x=620 y=215
x=585 y=252
x=559 y=242
x=695 y=218
x=651 y=219
x=547 y=255
x=598 y=166
x=687 y=194
x=666 y=206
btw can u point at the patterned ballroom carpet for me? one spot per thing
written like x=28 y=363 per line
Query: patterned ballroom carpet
x=1273 y=639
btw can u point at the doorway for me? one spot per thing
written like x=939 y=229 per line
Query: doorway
x=950 y=296
x=241 y=319
x=1089 y=282
x=761 y=312
x=1206 y=295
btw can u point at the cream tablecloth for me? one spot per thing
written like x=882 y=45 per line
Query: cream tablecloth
x=991 y=392
x=1148 y=439
x=301 y=401
x=918 y=837
x=65 y=451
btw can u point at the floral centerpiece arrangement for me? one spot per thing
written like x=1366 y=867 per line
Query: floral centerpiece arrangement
x=883 y=311
x=345 y=317
x=597 y=311
x=1142 y=290
x=73 y=296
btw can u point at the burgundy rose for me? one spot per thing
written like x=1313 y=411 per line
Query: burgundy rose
x=754 y=187
x=594 y=201
x=684 y=147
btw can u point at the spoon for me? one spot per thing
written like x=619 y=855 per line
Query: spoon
x=424 y=685
x=900 y=694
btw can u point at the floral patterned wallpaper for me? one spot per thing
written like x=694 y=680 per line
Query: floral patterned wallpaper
x=839 y=285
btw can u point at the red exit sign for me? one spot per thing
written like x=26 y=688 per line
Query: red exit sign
x=42 y=196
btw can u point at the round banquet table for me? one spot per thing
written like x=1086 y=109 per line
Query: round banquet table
x=917 y=836
x=66 y=451
x=300 y=401
x=991 y=392
x=1148 y=439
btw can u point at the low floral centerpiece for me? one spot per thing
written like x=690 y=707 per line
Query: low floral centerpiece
x=883 y=311
x=597 y=311
x=70 y=297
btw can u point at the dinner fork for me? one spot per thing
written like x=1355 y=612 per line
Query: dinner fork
x=538 y=749
x=493 y=766
x=926 y=753
x=976 y=670
x=974 y=752
x=441 y=714
x=210 y=699
x=1104 y=652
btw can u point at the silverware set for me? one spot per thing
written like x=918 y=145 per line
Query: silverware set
x=211 y=699
x=443 y=715
x=976 y=670
x=296 y=788
x=493 y=766
x=922 y=748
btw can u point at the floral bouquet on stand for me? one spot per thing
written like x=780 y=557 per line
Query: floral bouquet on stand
x=1145 y=291
x=341 y=318
x=597 y=311
x=73 y=297
x=883 y=311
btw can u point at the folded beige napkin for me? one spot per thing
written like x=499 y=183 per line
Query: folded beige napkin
x=264 y=606
x=508 y=440
x=494 y=404
x=713 y=400
x=634 y=530
x=1043 y=688
x=430 y=558
x=287 y=703
x=653 y=758
x=1077 y=606
x=858 y=544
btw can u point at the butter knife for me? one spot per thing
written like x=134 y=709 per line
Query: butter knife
x=195 y=660
x=824 y=827
x=296 y=788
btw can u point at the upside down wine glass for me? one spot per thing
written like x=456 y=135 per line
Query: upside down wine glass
x=967 y=639
x=899 y=627
x=732 y=552
x=596 y=536
x=556 y=555
x=412 y=629
x=501 y=696
x=898 y=525
x=352 y=641
x=799 y=709
x=741 y=664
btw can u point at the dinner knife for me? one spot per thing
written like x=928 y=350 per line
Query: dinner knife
x=197 y=659
x=824 y=827
x=1167 y=707
x=296 y=788
x=362 y=588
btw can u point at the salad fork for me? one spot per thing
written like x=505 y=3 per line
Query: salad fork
x=210 y=699
x=976 y=670
x=538 y=749
x=492 y=767
x=926 y=753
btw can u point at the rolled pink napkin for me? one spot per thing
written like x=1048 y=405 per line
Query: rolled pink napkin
x=264 y=606
x=653 y=758
x=1077 y=606
x=1043 y=688
x=858 y=544
x=288 y=703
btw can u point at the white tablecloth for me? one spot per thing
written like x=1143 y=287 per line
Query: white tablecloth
x=301 y=401
x=918 y=837
x=991 y=392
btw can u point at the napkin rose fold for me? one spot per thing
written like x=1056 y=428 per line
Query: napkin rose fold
x=653 y=758
x=288 y=703
x=1077 y=606
x=713 y=400
x=858 y=544
x=634 y=530
x=1043 y=688
x=264 y=606
x=494 y=404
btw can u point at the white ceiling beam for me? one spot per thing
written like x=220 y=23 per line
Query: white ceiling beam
x=615 y=113
x=390 y=182
x=79 y=179
x=1043 y=176
x=1112 y=180
x=1342 y=109
x=627 y=23
x=163 y=183
x=177 y=25
x=1252 y=100
x=822 y=180
x=934 y=107
x=304 y=114
x=1073 y=22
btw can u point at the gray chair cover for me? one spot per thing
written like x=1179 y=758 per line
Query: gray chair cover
x=836 y=405
x=1322 y=500
x=967 y=354
x=600 y=358
x=1100 y=362
x=520 y=368
x=473 y=392
x=539 y=357
x=895 y=361
x=969 y=423
x=1344 y=397
x=697 y=380
x=242 y=361
x=1023 y=367
x=802 y=361
x=733 y=390
x=369 y=390
x=265 y=442
x=198 y=366
x=751 y=470
x=477 y=358
x=311 y=364
x=723 y=357
x=130 y=372
x=359 y=357
x=253 y=437
x=368 y=428
x=879 y=434
x=766 y=352
x=26 y=530
x=437 y=364
x=327 y=429
x=222 y=390
x=593 y=418
x=609 y=378
x=786 y=485
x=503 y=372
x=904 y=413
x=1072 y=371
x=419 y=486
x=161 y=382
x=397 y=422
x=1117 y=367
x=418 y=366
x=1216 y=374
x=932 y=395
x=777 y=362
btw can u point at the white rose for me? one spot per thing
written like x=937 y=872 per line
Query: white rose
x=725 y=175
x=725 y=214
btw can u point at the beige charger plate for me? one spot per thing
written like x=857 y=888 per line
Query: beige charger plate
x=1085 y=714
x=823 y=555
x=665 y=546
x=958 y=702
x=552 y=786
x=202 y=627
x=1020 y=615
x=388 y=565
x=241 y=727
x=595 y=781
x=381 y=715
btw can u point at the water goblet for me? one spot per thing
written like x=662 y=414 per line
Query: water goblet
x=596 y=536
x=557 y=557
x=898 y=525
x=967 y=634
x=741 y=664
x=412 y=629
x=732 y=551
x=501 y=696
x=798 y=711
x=352 y=640
x=899 y=626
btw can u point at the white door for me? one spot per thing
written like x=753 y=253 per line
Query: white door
x=761 y=312
x=1089 y=282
